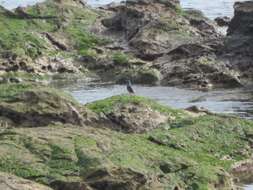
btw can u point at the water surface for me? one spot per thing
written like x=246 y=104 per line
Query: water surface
x=212 y=9
x=237 y=101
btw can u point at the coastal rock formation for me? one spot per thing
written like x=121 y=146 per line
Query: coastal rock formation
x=147 y=41
x=153 y=28
x=181 y=44
x=238 y=44
x=140 y=153
x=46 y=38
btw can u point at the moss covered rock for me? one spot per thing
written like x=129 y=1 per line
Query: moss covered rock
x=28 y=105
x=150 y=146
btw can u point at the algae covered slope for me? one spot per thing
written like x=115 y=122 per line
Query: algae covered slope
x=46 y=37
x=184 y=151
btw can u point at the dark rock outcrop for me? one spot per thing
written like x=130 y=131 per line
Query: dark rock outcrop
x=223 y=21
x=238 y=46
x=182 y=47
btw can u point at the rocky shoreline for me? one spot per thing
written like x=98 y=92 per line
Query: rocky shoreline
x=149 y=42
x=123 y=142
x=50 y=141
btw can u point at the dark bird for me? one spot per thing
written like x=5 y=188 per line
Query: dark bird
x=129 y=87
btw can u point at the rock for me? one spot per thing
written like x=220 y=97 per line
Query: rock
x=120 y=178
x=222 y=21
x=131 y=118
x=63 y=185
x=11 y=182
x=40 y=107
x=197 y=109
x=183 y=48
x=67 y=156
x=196 y=66
x=78 y=3
x=15 y=80
x=56 y=65
x=237 y=50
x=241 y=23
x=55 y=42
x=159 y=28
x=206 y=27
x=142 y=75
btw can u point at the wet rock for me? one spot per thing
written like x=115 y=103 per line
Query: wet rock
x=241 y=23
x=141 y=75
x=197 y=109
x=131 y=118
x=222 y=21
x=196 y=66
x=237 y=50
x=11 y=182
x=40 y=107
x=184 y=48
x=153 y=28
x=206 y=27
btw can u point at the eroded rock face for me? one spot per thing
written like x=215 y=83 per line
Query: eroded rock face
x=11 y=182
x=182 y=47
x=155 y=27
x=196 y=66
x=242 y=20
x=238 y=44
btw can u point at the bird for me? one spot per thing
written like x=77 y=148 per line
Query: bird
x=129 y=87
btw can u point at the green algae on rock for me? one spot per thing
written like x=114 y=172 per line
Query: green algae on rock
x=55 y=37
x=36 y=105
x=36 y=38
x=181 y=151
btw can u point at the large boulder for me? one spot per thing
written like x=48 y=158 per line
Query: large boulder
x=238 y=44
x=135 y=118
x=242 y=20
x=40 y=106
x=196 y=66
x=154 y=27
